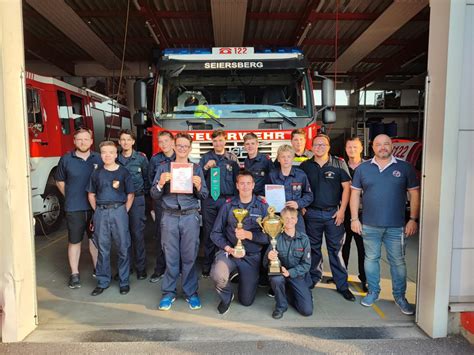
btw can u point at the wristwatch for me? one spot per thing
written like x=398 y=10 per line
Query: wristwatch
x=414 y=219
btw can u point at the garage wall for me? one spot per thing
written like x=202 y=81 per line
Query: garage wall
x=462 y=282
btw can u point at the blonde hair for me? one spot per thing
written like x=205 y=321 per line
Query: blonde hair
x=285 y=148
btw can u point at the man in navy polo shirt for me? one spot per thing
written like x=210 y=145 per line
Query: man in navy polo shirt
x=137 y=164
x=257 y=163
x=384 y=181
x=330 y=182
x=72 y=177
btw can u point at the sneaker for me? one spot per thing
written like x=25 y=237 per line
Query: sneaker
x=166 y=303
x=223 y=308
x=347 y=294
x=141 y=275
x=404 y=306
x=234 y=276
x=194 y=302
x=74 y=281
x=369 y=299
x=154 y=278
x=271 y=293
x=277 y=314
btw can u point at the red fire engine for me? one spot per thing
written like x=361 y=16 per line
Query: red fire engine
x=55 y=110
x=237 y=89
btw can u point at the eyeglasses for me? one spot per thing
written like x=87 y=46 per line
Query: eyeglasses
x=183 y=147
x=320 y=145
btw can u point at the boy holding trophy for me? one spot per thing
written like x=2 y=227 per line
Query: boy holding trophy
x=293 y=251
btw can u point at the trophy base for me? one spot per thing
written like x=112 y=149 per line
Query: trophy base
x=240 y=253
x=274 y=270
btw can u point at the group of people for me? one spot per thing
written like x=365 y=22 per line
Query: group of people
x=105 y=198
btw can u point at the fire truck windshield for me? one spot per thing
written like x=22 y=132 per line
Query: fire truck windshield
x=234 y=94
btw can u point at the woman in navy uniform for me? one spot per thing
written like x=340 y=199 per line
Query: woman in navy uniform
x=180 y=227
x=294 y=251
x=228 y=170
x=225 y=235
x=297 y=189
x=111 y=193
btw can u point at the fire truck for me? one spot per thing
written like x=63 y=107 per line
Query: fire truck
x=55 y=110
x=237 y=89
x=410 y=151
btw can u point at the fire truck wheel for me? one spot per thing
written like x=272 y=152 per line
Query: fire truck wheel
x=53 y=205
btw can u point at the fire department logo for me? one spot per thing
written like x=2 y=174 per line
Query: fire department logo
x=396 y=173
x=329 y=175
x=96 y=166
x=225 y=50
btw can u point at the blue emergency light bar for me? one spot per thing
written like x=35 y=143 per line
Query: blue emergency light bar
x=177 y=51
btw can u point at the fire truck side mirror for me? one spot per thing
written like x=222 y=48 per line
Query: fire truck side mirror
x=139 y=91
x=329 y=116
x=328 y=97
x=139 y=119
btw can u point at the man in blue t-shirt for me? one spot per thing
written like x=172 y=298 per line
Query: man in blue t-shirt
x=384 y=181
x=72 y=177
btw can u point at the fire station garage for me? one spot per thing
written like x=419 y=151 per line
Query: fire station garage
x=345 y=68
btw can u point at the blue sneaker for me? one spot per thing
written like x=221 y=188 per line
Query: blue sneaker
x=165 y=303
x=194 y=302
x=369 y=299
x=405 y=307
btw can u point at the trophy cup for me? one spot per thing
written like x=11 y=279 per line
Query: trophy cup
x=240 y=214
x=272 y=225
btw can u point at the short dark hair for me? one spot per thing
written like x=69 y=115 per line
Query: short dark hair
x=322 y=135
x=298 y=131
x=165 y=133
x=83 y=130
x=353 y=138
x=244 y=173
x=107 y=144
x=183 y=135
x=219 y=133
x=127 y=132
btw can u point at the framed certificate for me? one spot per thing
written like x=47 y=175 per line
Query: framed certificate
x=275 y=196
x=181 y=178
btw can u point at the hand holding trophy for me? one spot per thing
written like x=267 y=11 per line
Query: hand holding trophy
x=272 y=225
x=240 y=214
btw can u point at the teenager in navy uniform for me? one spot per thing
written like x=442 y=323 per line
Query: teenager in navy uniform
x=297 y=189
x=225 y=180
x=111 y=193
x=330 y=182
x=257 y=163
x=225 y=235
x=137 y=164
x=294 y=251
x=180 y=227
x=72 y=177
x=166 y=145
x=298 y=142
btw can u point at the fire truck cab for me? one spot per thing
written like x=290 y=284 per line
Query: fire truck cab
x=237 y=89
x=55 y=110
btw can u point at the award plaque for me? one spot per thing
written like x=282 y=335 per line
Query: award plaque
x=272 y=225
x=240 y=214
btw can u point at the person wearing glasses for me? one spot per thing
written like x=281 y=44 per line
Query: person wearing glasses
x=330 y=182
x=179 y=227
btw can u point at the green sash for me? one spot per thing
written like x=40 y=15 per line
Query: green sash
x=215 y=183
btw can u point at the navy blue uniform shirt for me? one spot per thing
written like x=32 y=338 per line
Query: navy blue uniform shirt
x=172 y=201
x=326 y=181
x=223 y=233
x=111 y=186
x=229 y=168
x=294 y=253
x=76 y=172
x=296 y=184
x=260 y=167
x=155 y=162
x=137 y=165
x=384 y=191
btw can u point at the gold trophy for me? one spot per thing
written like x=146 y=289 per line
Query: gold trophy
x=240 y=214
x=272 y=225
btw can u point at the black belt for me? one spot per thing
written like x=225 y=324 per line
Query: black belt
x=180 y=212
x=110 y=205
x=324 y=209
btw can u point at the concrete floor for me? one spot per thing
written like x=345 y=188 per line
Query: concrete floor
x=70 y=313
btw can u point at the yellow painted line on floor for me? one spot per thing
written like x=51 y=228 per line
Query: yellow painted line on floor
x=49 y=244
x=358 y=289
